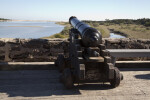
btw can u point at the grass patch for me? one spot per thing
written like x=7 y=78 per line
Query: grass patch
x=63 y=34
x=58 y=35
x=103 y=30
x=63 y=23
x=132 y=30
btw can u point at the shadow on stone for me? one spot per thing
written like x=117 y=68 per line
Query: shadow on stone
x=29 y=83
x=94 y=87
x=37 y=83
x=134 y=69
x=143 y=76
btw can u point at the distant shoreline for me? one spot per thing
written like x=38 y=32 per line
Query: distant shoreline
x=24 y=26
x=11 y=20
x=32 y=20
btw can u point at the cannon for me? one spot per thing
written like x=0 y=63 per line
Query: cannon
x=88 y=60
x=90 y=36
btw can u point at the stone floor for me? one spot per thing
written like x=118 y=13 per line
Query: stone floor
x=44 y=85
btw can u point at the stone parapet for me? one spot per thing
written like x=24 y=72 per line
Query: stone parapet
x=127 y=43
x=31 y=50
x=46 y=50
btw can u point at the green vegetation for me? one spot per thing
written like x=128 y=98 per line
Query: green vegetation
x=144 y=22
x=63 y=23
x=57 y=35
x=63 y=34
x=139 y=28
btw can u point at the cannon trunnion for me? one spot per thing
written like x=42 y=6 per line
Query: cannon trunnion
x=87 y=62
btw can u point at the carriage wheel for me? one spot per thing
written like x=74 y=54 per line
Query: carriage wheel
x=117 y=78
x=61 y=78
x=61 y=63
x=68 y=79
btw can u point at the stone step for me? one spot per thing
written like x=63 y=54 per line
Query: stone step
x=27 y=66
x=132 y=64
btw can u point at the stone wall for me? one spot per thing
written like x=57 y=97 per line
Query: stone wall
x=127 y=43
x=26 y=50
x=31 y=49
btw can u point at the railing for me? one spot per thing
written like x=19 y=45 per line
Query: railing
x=124 y=53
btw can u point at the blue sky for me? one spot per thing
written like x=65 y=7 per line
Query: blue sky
x=58 y=10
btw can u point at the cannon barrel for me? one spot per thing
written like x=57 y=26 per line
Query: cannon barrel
x=90 y=36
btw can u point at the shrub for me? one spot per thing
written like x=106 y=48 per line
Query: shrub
x=95 y=24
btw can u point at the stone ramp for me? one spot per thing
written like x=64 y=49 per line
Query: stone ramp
x=44 y=85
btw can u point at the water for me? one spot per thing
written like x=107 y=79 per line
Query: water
x=27 y=29
x=113 y=35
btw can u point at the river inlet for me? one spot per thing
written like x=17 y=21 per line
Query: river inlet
x=26 y=29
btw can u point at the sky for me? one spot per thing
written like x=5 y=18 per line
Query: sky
x=61 y=10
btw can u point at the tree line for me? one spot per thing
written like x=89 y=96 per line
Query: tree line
x=143 y=21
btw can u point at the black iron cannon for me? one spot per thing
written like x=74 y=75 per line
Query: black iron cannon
x=88 y=59
x=90 y=36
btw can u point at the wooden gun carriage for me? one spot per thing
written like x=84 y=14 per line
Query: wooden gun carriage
x=88 y=60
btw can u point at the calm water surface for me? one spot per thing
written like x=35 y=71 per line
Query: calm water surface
x=113 y=35
x=28 y=29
